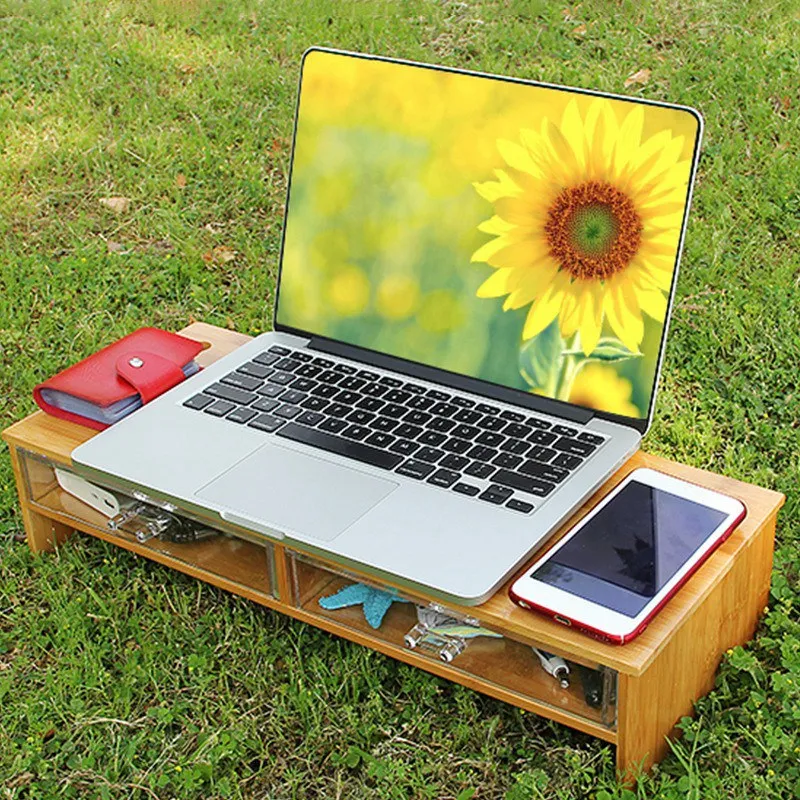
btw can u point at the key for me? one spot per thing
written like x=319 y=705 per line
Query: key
x=466 y=488
x=519 y=505
x=199 y=402
x=547 y=472
x=444 y=478
x=311 y=418
x=415 y=469
x=496 y=494
x=404 y=447
x=255 y=370
x=266 y=359
x=242 y=415
x=565 y=445
x=238 y=396
x=220 y=408
x=514 y=480
x=266 y=422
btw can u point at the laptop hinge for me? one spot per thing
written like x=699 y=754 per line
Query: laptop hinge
x=462 y=383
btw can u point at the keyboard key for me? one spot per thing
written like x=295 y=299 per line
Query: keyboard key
x=265 y=404
x=303 y=385
x=293 y=397
x=515 y=446
x=466 y=431
x=413 y=388
x=375 y=389
x=468 y=415
x=417 y=417
x=367 y=376
x=486 y=409
x=255 y=370
x=271 y=390
x=242 y=415
x=287 y=364
x=393 y=410
x=330 y=377
x=512 y=416
x=430 y=454
x=346 y=369
x=404 y=447
x=360 y=417
x=535 y=422
x=281 y=351
x=323 y=362
x=308 y=371
x=311 y=418
x=380 y=439
x=383 y=424
x=281 y=378
x=547 y=472
x=346 y=396
x=314 y=403
x=415 y=469
x=444 y=478
x=352 y=383
x=199 y=402
x=592 y=438
x=482 y=453
x=230 y=393
x=396 y=396
x=442 y=424
x=220 y=408
x=464 y=402
x=490 y=439
x=266 y=422
x=266 y=359
x=520 y=505
x=514 y=480
x=496 y=494
x=435 y=394
x=288 y=412
x=333 y=425
x=337 y=410
x=430 y=437
x=565 y=445
x=507 y=460
x=562 y=460
x=456 y=445
x=444 y=410
x=420 y=402
x=479 y=470
x=563 y=430
x=516 y=431
x=454 y=462
x=543 y=454
x=369 y=403
x=542 y=437
x=492 y=423
x=301 y=355
x=389 y=381
x=408 y=431
x=466 y=488
x=357 y=432
x=335 y=444
x=325 y=391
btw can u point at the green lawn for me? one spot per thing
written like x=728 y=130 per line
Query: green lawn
x=122 y=679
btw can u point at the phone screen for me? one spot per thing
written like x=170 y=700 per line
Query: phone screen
x=631 y=548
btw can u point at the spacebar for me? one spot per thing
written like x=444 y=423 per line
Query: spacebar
x=344 y=447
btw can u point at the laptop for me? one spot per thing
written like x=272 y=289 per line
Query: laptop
x=475 y=280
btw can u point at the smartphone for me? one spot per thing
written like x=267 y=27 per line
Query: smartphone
x=621 y=563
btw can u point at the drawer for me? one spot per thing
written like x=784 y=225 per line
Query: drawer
x=243 y=563
x=512 y=668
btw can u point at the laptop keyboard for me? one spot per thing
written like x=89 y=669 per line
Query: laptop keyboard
x=504 y=457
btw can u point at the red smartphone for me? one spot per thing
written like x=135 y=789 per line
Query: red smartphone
x=620 y=564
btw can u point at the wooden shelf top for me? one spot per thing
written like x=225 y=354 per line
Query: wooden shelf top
x=56 y=439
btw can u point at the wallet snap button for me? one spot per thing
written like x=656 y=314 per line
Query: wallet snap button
x=136 y=362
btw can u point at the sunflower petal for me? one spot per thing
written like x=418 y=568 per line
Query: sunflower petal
x=486 y=251
x=654 y=304
x=517 y=157
x=543 y=311
x=500 y=282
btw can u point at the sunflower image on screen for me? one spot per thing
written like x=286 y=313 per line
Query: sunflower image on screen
x=523 y=235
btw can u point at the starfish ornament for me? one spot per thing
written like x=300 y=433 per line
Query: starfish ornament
x=376 y=602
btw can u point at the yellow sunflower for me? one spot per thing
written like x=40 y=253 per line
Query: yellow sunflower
x=598 y=386
x=587 y=219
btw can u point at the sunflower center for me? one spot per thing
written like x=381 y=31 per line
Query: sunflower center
x=593 y=230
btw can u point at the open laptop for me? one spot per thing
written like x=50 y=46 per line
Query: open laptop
x=475 y=282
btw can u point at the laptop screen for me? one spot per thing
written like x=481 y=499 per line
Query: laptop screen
x=518 y=234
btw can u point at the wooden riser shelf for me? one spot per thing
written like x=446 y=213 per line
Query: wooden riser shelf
x=650 y=684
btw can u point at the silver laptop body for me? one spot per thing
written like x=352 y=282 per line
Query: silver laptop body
x=355 y=429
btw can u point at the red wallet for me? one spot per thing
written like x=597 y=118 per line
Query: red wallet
x=120 y=378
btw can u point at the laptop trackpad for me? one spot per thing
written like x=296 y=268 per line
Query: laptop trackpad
x=297 y=493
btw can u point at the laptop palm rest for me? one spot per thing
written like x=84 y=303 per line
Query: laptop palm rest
x=297 y=493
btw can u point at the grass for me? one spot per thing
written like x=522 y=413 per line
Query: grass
x=119 y=678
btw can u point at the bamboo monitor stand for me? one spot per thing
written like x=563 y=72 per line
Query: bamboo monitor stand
x=630 y=696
